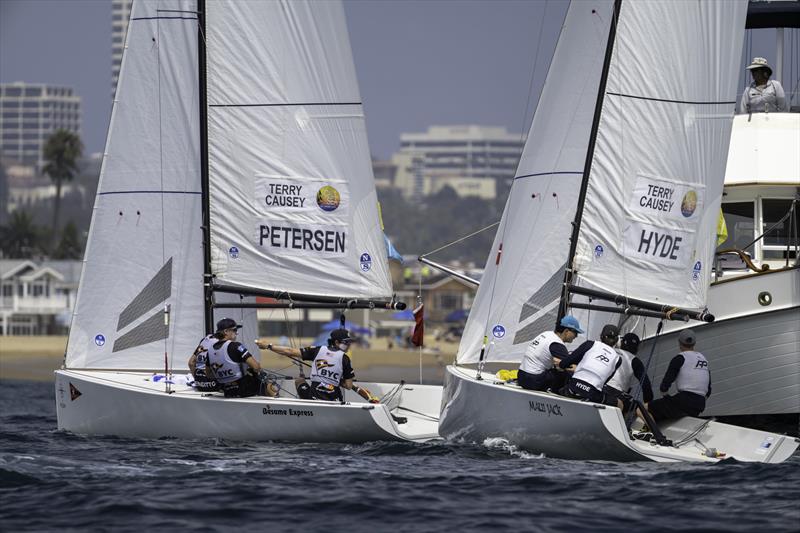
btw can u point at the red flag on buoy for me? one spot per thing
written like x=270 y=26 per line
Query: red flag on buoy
x=419 y=327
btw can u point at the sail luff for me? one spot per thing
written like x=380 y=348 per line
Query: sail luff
x=208 y=311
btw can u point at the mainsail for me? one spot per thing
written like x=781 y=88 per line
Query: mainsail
x=661 y=95
x=292 y=196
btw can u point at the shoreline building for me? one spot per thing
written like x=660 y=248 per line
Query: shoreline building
x=120 y=13
x=473 y=160
x=30 y=113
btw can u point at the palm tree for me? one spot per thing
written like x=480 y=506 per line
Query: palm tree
x=70 y=245
x=61 y=153
x=20 y=239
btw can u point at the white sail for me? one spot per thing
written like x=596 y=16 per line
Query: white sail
x=652 y=202
x=145 y=248
x=518 y=298
x=293 y=204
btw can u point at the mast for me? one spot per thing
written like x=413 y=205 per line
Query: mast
x=208 y=310
x=576 y=224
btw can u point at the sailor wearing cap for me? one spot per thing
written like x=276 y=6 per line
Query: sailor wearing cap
x=689 y=371
x=597 y=361
x=236 y=370
x=763 y=95
x=331 y=368
x=537 y=370
x=619 y=386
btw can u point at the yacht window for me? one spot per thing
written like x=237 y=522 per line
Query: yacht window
x=739 y=221
x=777 y=239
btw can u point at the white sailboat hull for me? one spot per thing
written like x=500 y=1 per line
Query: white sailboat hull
x=476 y=410
x=753 y=351
x=130 y=404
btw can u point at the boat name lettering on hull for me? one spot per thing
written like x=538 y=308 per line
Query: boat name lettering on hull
x=551 y=409
x=286 y=412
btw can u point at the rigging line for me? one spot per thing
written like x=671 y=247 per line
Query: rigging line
x=671 y=101
x=533 y=72
x=554 y=173
x=289 y=104
x=461 y=239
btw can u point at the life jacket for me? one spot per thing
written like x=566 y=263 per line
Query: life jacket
x=623 y=377
x=693 y=375
x=538 y=358
x=327 y=368
x=225 y=369
x=597 y=366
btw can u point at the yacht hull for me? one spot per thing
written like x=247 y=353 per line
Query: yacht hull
x=131 y=404
x=476 y=410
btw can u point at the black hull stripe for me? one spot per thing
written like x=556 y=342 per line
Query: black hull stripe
x=564 y=173
x=669 y=101
x=287 y=104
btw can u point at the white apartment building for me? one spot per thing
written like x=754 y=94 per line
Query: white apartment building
x=120 y=12
x=470 y=159
x=30 y=113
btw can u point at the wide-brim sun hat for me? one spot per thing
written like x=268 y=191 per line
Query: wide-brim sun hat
x=760 y=62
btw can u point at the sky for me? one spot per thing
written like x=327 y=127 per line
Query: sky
x=419 y=62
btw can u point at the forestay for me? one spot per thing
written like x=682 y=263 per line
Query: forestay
x=519 y=296
x=144 y=249
x=292 y=199
x=654 y=189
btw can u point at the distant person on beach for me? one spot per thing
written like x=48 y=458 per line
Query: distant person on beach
x=689 y=371
x=763 y=95
x=596 y=361
x=331 y=368
x=539 y=370
x=198 y=364
x=617 y=390
x=236 y=370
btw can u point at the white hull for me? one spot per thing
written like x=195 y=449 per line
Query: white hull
x=130 y=404
x=753 y=351
x=560 y=427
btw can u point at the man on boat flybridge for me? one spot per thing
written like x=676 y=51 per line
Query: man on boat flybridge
x=235 y=369
x=331 y=368
x=763 y=95
x=539 y=370
x=597 y=361
x=689 y=371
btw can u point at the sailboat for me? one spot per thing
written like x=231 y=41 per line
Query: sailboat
x=236 y=166
x=615 y=200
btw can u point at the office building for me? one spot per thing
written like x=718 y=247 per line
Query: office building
x=30 y=113
x=120 y=12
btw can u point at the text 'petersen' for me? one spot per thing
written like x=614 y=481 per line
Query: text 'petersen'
x=283 y=195
x=316 y=240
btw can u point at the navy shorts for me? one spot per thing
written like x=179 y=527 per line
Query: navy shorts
x=577 y=388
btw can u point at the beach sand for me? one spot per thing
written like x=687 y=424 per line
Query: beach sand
x=36 y=358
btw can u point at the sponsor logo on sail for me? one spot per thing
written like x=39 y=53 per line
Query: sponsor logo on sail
x=498 y=331
x=328 y=198
x=99 y=339
x=598 y=251
x=689 y=203
x=317 y=239
x=233 y=252
x=284 y=195
x=698 y=266
x=366 y=262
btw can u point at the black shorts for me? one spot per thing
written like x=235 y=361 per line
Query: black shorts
x=204 y=384
x=549 y=379
x=672 y=407
x=317 y=391
x=248 y=386
x=577 y=388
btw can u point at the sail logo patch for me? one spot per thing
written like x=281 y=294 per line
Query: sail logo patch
x=664 y=246
x=598 y=251
x=233 y=252
x=366 y=262
x=498 y=332
x=328 y=198
x=99 y=339
x=689 y=203
x=280 y=237
x=663 y=199
x=698 y=266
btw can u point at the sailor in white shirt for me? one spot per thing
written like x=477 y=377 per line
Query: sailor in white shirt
x=538 y=370
x=597 y=361
x=763 y=95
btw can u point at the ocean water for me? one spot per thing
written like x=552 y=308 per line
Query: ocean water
x=56 y=481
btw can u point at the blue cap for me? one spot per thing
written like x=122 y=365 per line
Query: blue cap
x=572 y=323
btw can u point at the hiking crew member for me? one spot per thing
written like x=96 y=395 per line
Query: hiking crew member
x=597 y=361
x=236 y=370
x=617 y=390
x=331 y=368
x=689 y=371
x=198 y=365
x=538 y=371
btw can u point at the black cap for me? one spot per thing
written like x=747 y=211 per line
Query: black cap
x=227 y=323
x=630 y=342
x=609 y=331
x=340 y=335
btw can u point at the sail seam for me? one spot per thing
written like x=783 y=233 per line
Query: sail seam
x=690 y=102
x=148 y=192
x=286 y=104
x=559 y=173
x=164 y=18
